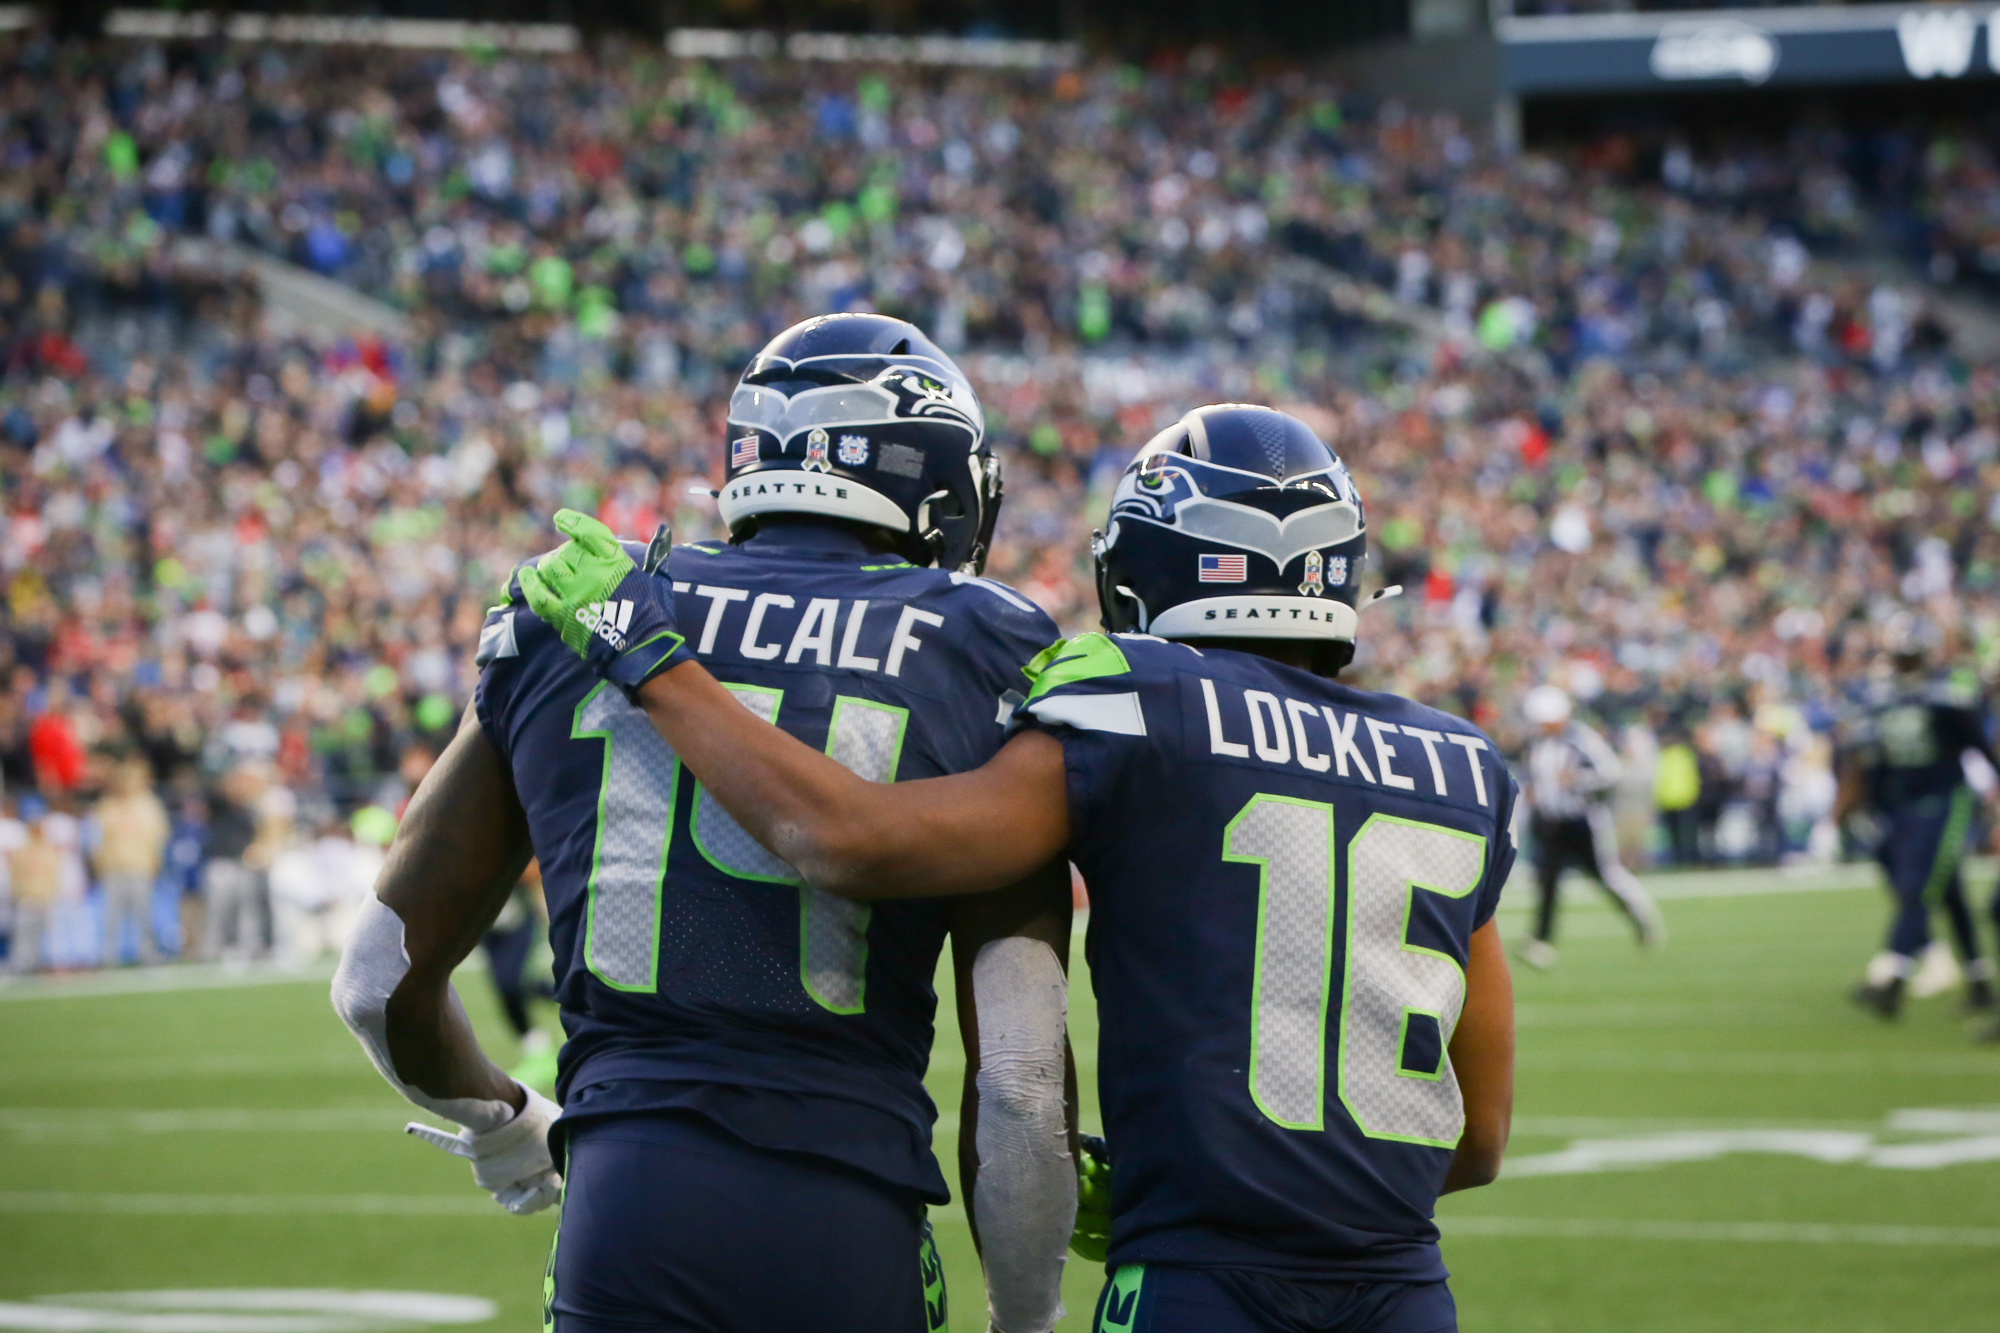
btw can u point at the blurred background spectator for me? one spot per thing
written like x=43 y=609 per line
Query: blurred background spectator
x=131 y=841
x=1632 y=417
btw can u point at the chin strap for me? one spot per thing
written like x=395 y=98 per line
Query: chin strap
x=1383 y=595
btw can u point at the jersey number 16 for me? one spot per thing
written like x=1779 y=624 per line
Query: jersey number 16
x=1386 y=980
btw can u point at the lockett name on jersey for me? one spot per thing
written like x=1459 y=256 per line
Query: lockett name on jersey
x=1320 y=738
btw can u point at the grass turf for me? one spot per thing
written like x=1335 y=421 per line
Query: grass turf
x=233 y=1136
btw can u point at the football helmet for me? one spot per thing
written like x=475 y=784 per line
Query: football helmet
x=1234 y=522
x=861 y=417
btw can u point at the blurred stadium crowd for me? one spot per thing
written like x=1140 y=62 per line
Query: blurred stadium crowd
x=1632 y=436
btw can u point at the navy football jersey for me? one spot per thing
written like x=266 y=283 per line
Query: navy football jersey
x=1284 y=875
x=1909 y=742
x=694 y=969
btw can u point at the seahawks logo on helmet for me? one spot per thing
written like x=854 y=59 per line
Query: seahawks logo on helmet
x=919 y=395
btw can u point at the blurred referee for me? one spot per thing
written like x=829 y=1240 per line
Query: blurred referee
x=1571 y=775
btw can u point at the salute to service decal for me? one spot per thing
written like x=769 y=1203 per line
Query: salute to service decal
x=816 y=443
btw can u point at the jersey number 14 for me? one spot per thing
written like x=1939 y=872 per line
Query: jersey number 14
x=1386 y=980
x=635 y=830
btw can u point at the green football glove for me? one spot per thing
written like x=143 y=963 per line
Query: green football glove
x=1092 y=1237
x=616 y=616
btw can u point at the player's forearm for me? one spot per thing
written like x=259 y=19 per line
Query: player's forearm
x=843 y=834
x=462 y=843
x=1482 y=1059
x=432 y=1044
x=806 y=808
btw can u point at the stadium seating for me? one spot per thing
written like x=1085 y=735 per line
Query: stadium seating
x=1622 y=434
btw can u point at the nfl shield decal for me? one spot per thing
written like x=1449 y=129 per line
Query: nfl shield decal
x=1315 y=584
x=853 y=450
x=816 y=460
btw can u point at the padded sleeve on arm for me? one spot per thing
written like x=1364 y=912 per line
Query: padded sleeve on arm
x=1025 y=1200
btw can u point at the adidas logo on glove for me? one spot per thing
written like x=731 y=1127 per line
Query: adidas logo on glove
x=607 y=620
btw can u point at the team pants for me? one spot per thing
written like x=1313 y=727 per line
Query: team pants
x=128 y=896
x=1151 y=1298
x=1586 y=843
x=670 y=1225
x=1920 y=854
x=507 y=959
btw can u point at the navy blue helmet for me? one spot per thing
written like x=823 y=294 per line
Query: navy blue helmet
x=1234 y=522
x=862 y=417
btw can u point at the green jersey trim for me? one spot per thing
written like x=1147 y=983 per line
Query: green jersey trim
x=1068 y=661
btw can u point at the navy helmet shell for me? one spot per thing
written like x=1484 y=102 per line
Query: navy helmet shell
x=1235 y=522
x=861 y=417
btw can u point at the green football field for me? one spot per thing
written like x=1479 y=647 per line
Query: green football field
x=1709 y=1138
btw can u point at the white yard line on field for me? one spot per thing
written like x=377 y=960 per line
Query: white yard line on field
x=96 y=1124
x=224 y=1065
x=1807 y=1064
x=469 y=1204
x=1775 y=1233
x=149 y=980
x=1579 y=891
x=178 y=977
x=1581 y=1126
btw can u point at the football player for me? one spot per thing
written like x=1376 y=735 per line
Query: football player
x=1307 y=1025
x=745 y=1139
x=1904 y=758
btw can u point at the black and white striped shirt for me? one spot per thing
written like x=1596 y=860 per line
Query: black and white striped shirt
x=1570 y=772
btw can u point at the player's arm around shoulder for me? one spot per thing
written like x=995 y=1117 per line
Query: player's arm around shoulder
x=964 y=834
x=968 y=833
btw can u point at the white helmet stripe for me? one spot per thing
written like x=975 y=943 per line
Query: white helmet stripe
x=1249 y=529
x=764 y=408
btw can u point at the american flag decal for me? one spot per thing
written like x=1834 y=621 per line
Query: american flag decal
x=1224 y=568
x=743 y=452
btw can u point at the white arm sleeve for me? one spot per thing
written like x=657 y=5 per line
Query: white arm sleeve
x=374 y=964
x=1025 y=1199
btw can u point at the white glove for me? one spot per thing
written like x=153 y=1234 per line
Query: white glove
x=511 y=1162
